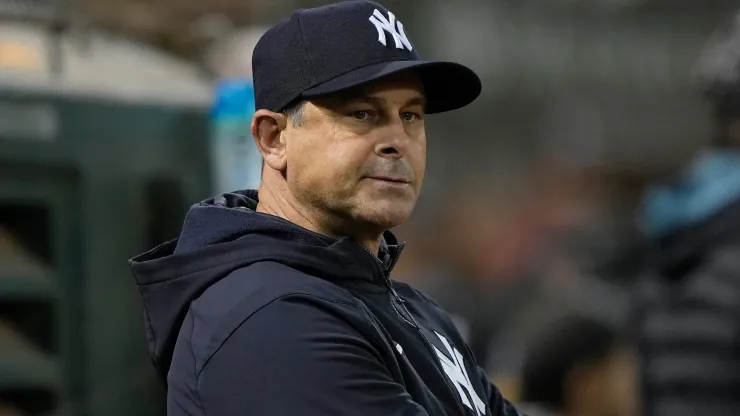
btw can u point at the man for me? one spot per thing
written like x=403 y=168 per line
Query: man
x=279 y=302
x=689 y=301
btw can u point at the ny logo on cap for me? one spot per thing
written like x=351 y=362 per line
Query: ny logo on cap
x=389 y=25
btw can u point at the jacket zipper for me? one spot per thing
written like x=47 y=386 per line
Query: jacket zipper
x=395 y=300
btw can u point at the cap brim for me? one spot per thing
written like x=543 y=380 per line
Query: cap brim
x=448 y=85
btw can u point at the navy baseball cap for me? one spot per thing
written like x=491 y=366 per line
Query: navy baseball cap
x=343 y=45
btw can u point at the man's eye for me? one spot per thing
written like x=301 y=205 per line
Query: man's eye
x=362 y=115
x=410 y=117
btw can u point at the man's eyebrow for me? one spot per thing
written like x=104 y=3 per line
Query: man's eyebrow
x=367 y=99
x=418 y=100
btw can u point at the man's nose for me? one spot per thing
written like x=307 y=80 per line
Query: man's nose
x=395 y=141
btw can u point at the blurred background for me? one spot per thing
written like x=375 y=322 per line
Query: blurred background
x=117 y=115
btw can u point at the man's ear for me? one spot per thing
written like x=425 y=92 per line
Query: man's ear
x=267 y=130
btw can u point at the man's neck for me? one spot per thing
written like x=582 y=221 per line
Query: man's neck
x=281 y=204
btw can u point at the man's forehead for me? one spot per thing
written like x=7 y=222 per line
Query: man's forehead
x=409 y=85
x=407 y=79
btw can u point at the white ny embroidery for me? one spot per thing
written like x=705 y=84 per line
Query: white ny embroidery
x=389 y=25
x=455 y=370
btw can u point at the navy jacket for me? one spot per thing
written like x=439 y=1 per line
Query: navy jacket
x=249 y=314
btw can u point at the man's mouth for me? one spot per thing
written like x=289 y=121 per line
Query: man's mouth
x=392 y=179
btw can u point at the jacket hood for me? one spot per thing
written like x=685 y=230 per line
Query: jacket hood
x=707 y=185
x=223 y=234
x=696 y=213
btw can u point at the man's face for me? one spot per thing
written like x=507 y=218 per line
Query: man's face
x=359 y=157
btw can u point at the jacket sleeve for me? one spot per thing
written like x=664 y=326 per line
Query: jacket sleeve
x=300 y=357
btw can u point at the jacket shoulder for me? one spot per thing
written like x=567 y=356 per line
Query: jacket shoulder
x=303 y=356
x=226 y=305
x=260 y=283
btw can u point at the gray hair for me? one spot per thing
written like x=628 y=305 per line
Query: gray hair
x=296 y=113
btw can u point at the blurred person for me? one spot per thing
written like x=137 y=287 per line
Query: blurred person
x=687 y=313
x=279 y=301
x=578 y=366
x=572 y=143
x=471 y=278
x=508 y=245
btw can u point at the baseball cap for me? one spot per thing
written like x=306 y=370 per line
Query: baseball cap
x=343 y=45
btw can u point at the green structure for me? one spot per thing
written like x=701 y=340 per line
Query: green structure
x=94 y=167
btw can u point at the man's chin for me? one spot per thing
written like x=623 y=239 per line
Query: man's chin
x=386 y=216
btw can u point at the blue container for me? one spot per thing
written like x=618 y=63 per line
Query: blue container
x=236 y=161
